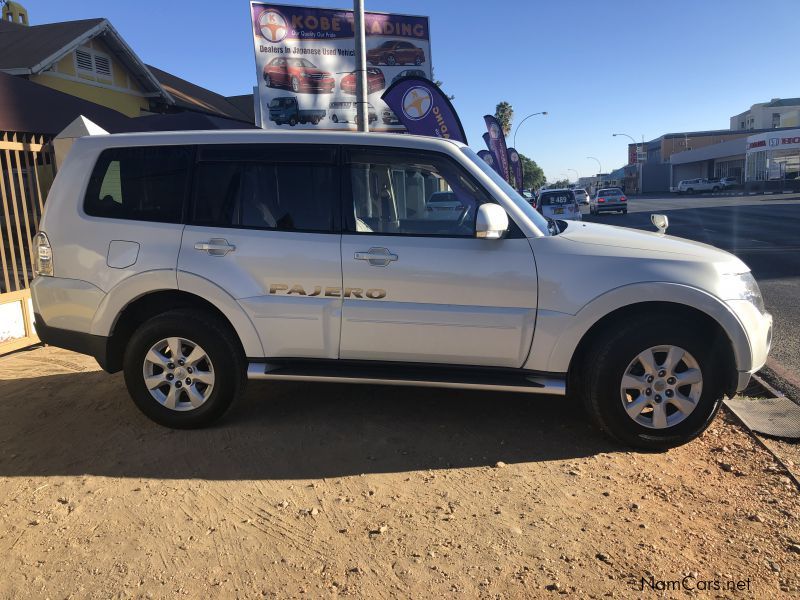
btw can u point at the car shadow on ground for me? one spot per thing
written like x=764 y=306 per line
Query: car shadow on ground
x=85 y=423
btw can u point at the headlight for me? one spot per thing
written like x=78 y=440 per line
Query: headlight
x=742 y=286
x=303 y=74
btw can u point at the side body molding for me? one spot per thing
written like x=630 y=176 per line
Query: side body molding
x=139 y=285
x=558 y=334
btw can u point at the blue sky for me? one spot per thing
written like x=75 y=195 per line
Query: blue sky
x=599 y=67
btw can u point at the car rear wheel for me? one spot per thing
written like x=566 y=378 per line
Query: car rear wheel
x=292 y=121
x=653 y=383
x=690 y=191
x=184 y=368
x=417 y=61
x=335 y=119
x=391 y=60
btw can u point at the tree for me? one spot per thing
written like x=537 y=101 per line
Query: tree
x=439 y=83
x=561 y=183
x=532 y=175
x=504 y=114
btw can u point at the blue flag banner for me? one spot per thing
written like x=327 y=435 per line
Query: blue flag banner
x=497 y=143
x=516 y=168
x=495 y=162
x=423 y=109
x=487 y=157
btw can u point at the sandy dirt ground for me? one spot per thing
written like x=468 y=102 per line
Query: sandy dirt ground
x=308 y=491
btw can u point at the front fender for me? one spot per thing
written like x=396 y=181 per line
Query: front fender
x=558 y=334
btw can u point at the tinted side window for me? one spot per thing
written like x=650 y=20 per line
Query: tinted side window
x=284 y=197
x=142 y=183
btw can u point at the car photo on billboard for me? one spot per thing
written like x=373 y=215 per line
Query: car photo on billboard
x=375 y=81
x=396 y=52
x=299 y=75
x=286 y=110
x=410 y=73
x=345 y=112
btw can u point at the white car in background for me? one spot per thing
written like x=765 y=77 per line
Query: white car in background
x=581 y=196
x=559 y=204
x=701 y=184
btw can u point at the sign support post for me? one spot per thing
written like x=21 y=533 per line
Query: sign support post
x=362 y=112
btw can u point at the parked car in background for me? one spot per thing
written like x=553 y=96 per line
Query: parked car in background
x=701 y=184
x=444 y=205
x=581 y=196
x=409 y=73
x=286 y=110
x=729 y=182
x=396 y=52
x=389 y=118
x=609 y=200
x=345 y=112
x=375 y=81
x=299 y=75
x=559 y=204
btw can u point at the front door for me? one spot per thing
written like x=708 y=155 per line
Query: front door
x=263 y=226
x=417 y=285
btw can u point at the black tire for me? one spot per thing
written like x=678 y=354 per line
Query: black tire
x=391 y=60
x=292 y=121
x=417 y=61
x=220 y=344
x=335 y=118
x=690 y=191
x=598 y=379
x=295 y=83
x=715 y=189
x=267 y=80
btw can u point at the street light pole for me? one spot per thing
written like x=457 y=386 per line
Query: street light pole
x=630 y=137
x=543 y=113
x=362 y=112
x=577 y=175
x=599 y=166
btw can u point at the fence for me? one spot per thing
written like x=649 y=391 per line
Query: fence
x=27 y=169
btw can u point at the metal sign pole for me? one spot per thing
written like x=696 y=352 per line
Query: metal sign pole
x=362 y=112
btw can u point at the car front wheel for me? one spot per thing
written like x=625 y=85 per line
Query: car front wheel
x=184 y=368
x=652 y=383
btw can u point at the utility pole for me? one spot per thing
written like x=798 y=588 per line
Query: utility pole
x=362 y=110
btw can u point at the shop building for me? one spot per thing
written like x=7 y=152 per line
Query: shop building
x=772 y=160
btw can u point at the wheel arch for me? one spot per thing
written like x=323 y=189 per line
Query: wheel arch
x=146 y=295
x=559 y=336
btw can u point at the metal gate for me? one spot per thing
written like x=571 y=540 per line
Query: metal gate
x=27 y=169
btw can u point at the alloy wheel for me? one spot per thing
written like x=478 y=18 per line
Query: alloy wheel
x=661 y=387
x=178 y=374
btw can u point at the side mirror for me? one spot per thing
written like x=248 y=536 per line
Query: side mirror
x=661 y=222
x=491 y=222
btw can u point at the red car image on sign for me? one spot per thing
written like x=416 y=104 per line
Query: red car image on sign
x=396 y=52
x=375 y=81
x=299 y=75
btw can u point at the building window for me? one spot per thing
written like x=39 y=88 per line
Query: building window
x=91 y=61
x=776 y=120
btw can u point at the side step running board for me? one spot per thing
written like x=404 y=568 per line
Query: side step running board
x=505 y=380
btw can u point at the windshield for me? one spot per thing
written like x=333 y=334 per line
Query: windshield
x=300 y=62
x=533 y=216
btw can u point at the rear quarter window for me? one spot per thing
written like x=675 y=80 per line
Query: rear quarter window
x=140 y=184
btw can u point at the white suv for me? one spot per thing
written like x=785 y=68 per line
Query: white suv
x=195 y=261
x=690 y=186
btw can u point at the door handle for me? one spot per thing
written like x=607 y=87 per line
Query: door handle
x=377 y=257
x=215 y=247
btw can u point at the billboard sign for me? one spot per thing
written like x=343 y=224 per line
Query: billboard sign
x=305 y=63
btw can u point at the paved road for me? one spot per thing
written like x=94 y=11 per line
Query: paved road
x=764 y=231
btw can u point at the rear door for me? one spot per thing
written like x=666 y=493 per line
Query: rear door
x=263 y=226
x=418 y=285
